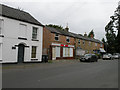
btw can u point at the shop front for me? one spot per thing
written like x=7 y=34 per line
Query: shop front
x=62 y=51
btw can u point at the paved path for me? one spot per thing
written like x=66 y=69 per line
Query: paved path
x=63 y=74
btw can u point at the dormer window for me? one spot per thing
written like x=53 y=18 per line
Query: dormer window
x=56 y=37
x=34 y=33
x=68 y=39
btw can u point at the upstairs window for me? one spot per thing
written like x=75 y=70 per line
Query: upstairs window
x=89 y=43
x=34 y=33
x=23 y=30
x=68 y=39
x=79 y=41
x=1 y=26
x=101 y=45
x=56 y=37
x=96 y=44
x=83 y=42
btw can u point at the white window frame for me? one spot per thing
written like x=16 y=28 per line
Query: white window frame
x=25 y=32
x=36 y=33
x=57 y=51
x=33 y=53
x=68 y=38
x=57 y=36
x=1 y=26
x=96 y=44
x=89 y=43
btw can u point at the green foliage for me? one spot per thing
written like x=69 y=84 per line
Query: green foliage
x=56 y=26
x=113 y=38
x=91 y=33
x=103 y=40
x=50 y=61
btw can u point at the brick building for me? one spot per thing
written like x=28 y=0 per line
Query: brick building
x=62 y=44
x=85 y=45
x=58 y=44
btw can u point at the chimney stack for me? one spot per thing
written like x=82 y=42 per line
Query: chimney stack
x=67 y=29
x=85 y=34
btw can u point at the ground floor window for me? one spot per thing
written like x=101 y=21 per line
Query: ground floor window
x=67 y=52
x=34 y=50
x=0 y=51
x=57 y=51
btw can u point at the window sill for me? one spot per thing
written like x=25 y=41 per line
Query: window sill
x=34 y=59
x=34 y=40
x=68 y=42
x=1 y=35
x=22 y=38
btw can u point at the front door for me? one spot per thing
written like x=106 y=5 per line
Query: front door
x=21 y=53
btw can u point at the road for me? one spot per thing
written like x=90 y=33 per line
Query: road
x=101 y=74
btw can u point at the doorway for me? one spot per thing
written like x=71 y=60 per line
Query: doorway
x=21 y=49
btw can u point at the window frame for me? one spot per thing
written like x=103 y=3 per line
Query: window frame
x=33 y=53
x=89 y=43
x=83 y=42
x=56 y=36
x=67 y=38
x=79 y=41
x=1 y=26
x=96 y=44
x=34 y=35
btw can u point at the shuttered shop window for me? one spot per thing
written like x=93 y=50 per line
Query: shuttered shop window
x=71 y=52
x=67 y=52
x=64 y=52
x=57 y=51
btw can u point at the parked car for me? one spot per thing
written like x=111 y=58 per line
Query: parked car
x=116 y=56
x=107 y=56
x=89 y=58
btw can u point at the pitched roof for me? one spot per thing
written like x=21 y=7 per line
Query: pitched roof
x=70 y=34
x=18 y=15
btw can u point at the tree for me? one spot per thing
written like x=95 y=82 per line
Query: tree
x=105 y=44
x=56 y=26
x=113 y=33
x=91 y=33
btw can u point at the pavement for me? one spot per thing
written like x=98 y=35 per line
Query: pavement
x=61 y=74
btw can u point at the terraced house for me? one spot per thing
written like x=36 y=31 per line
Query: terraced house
x=62 y=44
x=20 y=36
x=58 y=44
x=85 y=45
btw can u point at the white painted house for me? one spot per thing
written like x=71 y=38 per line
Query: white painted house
x=20 y=36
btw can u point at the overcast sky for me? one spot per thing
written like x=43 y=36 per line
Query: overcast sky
x=81 y=15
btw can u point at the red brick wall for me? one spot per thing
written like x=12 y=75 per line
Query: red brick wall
x=49 y=38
